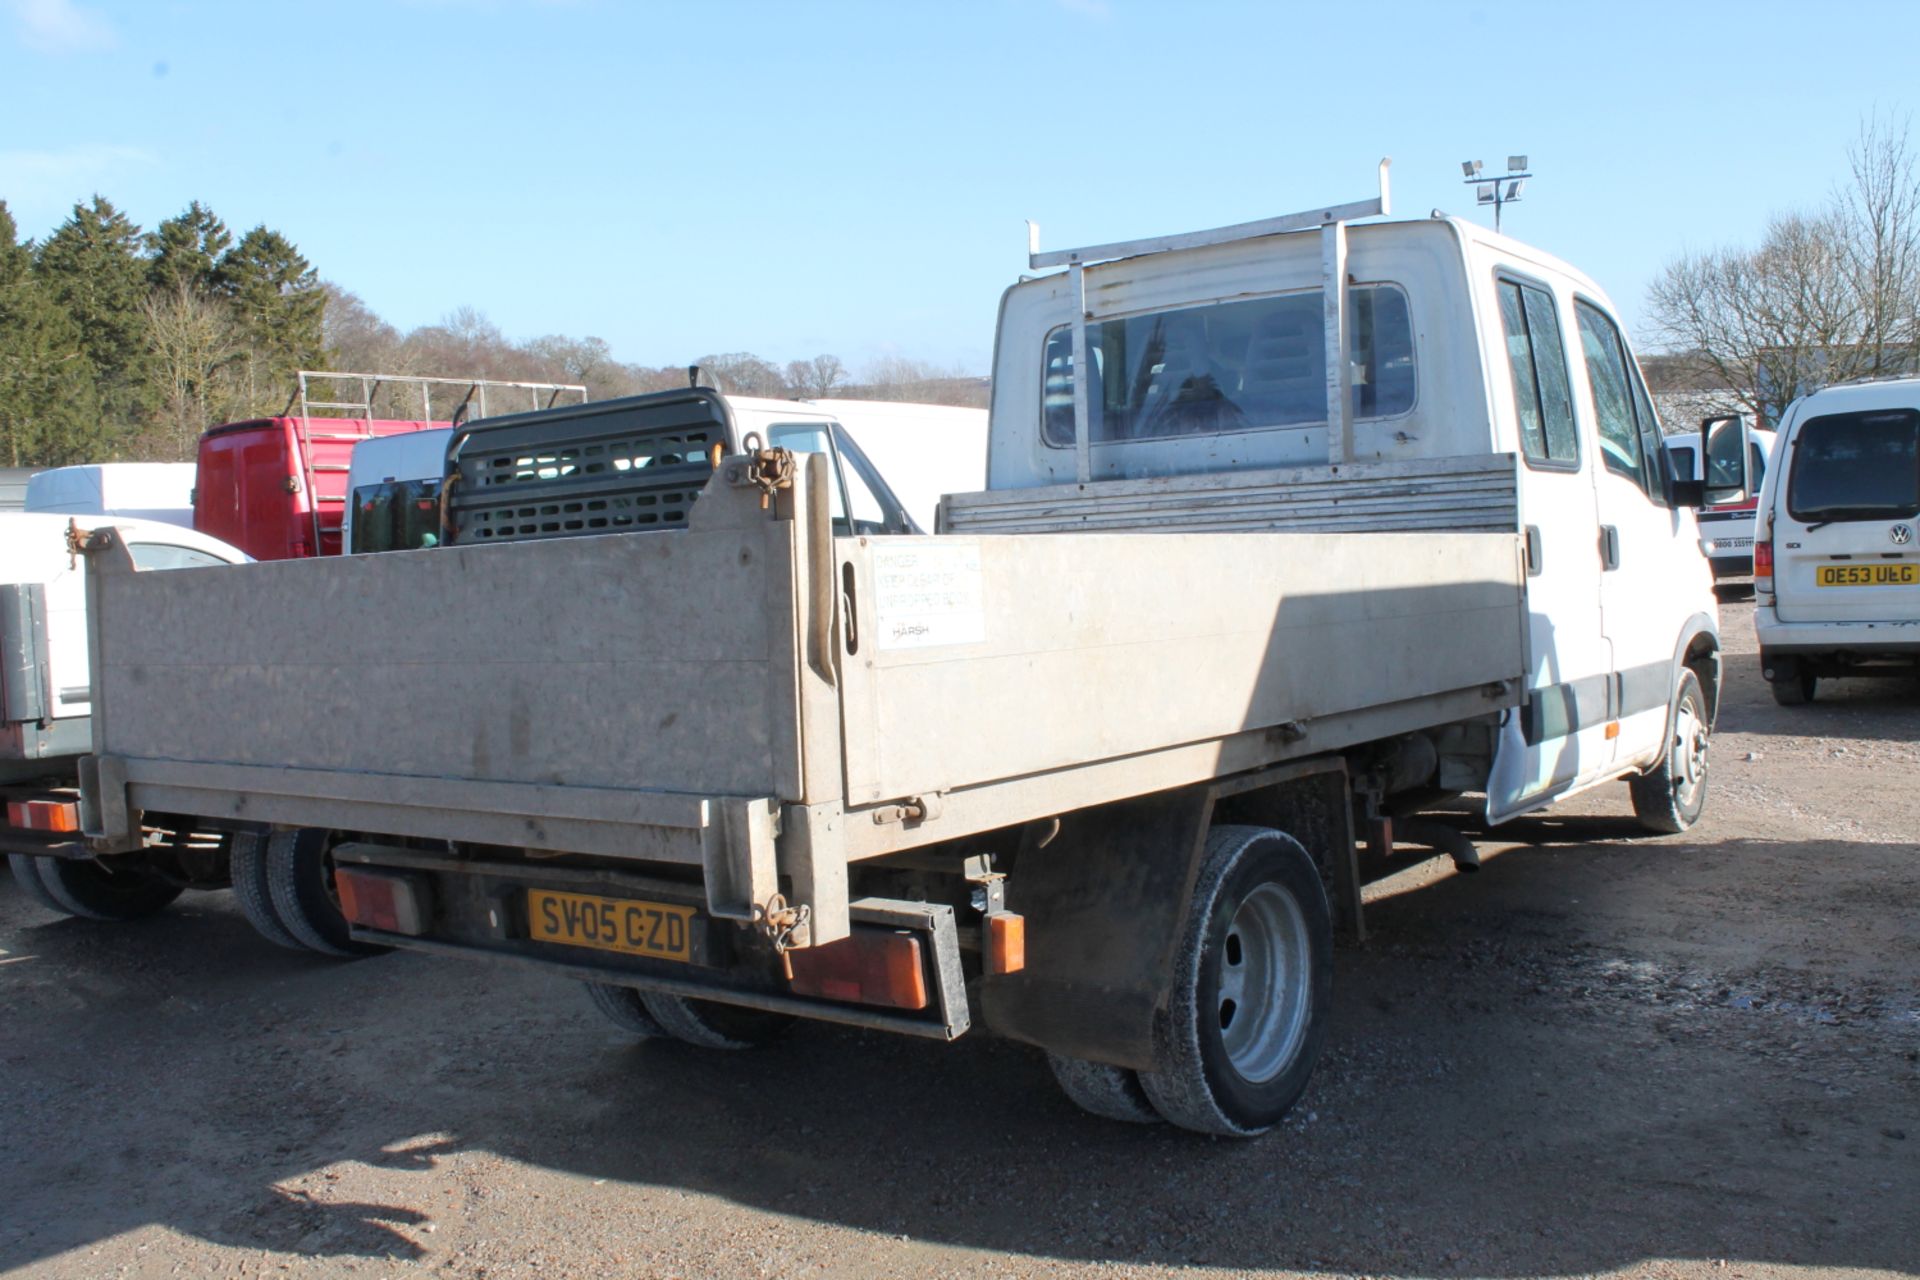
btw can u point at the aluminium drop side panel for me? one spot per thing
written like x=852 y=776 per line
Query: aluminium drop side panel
x=991 y=659
x=604 y=694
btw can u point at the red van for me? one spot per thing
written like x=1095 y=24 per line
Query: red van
x=276 y=487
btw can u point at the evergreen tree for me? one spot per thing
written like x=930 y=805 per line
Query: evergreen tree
x=187 y=251
x=280 y=307
x=48 y=409
x=91 y=266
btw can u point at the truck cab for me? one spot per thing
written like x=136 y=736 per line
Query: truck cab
x=1484 y=385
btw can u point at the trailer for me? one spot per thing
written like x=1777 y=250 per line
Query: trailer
x=1292 y=530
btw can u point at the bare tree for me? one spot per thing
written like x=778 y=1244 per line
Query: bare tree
x=741 y=373
x=197 y=350
x=1826 y=296
x=816 y=378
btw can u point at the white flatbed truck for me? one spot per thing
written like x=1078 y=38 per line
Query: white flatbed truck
x=1342 y=522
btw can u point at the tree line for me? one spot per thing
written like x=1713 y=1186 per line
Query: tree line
x=117 y=342
x=121 y=343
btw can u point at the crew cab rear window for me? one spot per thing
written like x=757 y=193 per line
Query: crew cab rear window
x=1229 y=366
x=1856 y=466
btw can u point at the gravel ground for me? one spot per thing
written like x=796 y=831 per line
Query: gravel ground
x=1604 y=1054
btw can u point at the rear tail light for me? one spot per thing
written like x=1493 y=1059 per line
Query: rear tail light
x=869 y=966
x=390 y=901
x=44 y=815
x=1763 y=565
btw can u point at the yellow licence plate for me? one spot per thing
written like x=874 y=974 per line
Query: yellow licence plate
x=1904 y=574
x=626 y=925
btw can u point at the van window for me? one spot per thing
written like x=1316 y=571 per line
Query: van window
x=1856 y=466
x=1539 y=361
x=1229 y=366
x=1629 y=432
x=397 y=515
x=166 y=555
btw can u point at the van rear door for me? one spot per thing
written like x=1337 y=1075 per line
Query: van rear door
x=1846 y=533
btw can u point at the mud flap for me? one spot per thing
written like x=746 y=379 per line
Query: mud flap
x=1112 y=888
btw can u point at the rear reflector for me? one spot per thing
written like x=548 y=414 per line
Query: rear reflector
x=44 y=815
x=870 y=966
x=1006 y=942
x=390 y=901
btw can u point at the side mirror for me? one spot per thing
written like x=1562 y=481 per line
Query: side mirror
x=1727 y=445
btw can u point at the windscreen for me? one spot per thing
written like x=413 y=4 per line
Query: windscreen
x=1856 y=466
x=399 y=515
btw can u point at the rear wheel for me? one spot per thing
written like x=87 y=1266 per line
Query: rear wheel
x=1671 y=795
x=27 y=875
x=1252 y=987
x=248 y=867
x=624 y=1008
x=713 y=1025
x=300 y=881
x=1113 y=1093
x=97 y=891
x=1795 y=690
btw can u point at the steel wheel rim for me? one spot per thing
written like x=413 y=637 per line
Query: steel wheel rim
x=1689 y=753
x=1261 y=1000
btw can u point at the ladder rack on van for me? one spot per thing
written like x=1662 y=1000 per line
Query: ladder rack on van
x=351 y=421
x=1332 y=224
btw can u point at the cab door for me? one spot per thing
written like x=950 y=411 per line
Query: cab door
x=1651 y=574
x=1556 y=740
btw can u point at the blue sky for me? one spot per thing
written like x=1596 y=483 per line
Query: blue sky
x=851 y=178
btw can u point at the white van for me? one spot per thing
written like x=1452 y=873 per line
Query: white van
x=1836 y=559
x=160 y=491
x=393 y=491
x=925 y=451
x=1726 y=532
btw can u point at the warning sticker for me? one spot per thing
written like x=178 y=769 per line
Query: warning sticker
x=929 y=592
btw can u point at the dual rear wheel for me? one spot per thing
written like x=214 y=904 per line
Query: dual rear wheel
x=93 y=889
x=708 y=1024
x=284 y=884
x=1252 y=986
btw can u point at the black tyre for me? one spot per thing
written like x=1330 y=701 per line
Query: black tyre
x=26 y=874
x=300 y=882
x=1671 y=796
x=1252 y=987
x=248 y=864
x=624 y=1008
x=712 y=1025
x=99 y=891
x=1113 y=1093
x=1795 y=690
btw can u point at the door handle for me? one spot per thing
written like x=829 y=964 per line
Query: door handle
x=1609 y=547
x=1536 y=553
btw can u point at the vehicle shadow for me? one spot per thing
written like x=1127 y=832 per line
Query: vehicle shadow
x=1505 y=1093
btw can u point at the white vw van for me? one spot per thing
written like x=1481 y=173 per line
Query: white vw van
x=1836 y=556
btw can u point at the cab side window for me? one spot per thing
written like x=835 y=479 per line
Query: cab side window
x=165 y=555
x=1540 y=388
x=1629 y=432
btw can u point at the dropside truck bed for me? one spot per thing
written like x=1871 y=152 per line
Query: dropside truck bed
x=749 y=707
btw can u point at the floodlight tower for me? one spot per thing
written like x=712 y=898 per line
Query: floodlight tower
x=1500 y=191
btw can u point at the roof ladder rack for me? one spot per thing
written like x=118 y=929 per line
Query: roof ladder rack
x=1331 y=221
x=353 y=420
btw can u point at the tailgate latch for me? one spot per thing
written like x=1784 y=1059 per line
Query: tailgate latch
x=912 y=809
